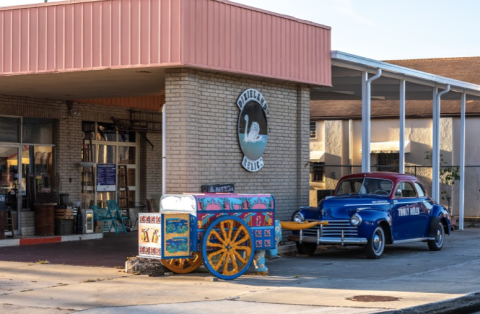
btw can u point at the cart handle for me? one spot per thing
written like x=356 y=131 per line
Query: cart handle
x=293 y=225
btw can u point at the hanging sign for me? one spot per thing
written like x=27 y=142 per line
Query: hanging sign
x=106 y=178
x=252 y=128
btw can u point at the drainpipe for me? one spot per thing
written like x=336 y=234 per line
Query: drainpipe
x=366 y=104
x=164 y=152
x=436 y=147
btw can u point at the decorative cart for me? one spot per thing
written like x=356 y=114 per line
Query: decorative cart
x=223 y=230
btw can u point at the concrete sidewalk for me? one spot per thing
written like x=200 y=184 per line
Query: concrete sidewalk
x=412 y=278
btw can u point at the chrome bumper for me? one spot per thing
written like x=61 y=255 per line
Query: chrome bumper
x=328 y=240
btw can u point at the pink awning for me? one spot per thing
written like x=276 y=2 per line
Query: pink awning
x=209 y=34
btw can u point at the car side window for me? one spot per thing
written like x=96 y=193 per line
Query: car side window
x=420 y=189
x=405 y=189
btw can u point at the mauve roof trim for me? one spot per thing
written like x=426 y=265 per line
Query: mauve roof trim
x=288 y=17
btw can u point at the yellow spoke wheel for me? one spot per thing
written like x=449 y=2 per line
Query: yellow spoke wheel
x=183 y=265
x=228 y=247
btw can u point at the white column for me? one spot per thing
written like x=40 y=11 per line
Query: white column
x=365 y=125
x=401 y=168
x=462 y=162
x=435 y=173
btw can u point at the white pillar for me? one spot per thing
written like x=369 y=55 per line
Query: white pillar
x=435 y=173
x=436 y=143
x=462 y=162
x=365 y=126
x=401 y=168
x=366 y=104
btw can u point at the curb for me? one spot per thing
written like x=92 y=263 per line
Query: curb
x=468 y=302
x=53 y=239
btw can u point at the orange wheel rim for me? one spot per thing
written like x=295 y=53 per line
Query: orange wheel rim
x=231 y=254
x=183 y=265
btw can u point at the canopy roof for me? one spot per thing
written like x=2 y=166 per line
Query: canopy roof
x=346 y=81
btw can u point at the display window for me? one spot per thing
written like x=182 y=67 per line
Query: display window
x=112 y=158
x=27 y=168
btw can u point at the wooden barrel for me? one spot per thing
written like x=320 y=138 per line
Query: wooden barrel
x=45 y=219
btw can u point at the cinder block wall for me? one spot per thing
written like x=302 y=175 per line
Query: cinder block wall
x=202 y=140
x=68 y=137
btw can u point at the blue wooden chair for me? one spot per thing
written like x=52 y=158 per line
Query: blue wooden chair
x=102 y=214
x=117 y=216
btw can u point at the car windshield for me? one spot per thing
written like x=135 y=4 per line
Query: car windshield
x=364 y=186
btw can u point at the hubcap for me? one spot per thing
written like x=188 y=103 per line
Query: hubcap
x=439 y=237
x=377 y=242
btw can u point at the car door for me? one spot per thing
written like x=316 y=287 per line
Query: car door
x=426 y=205
x=406 y=218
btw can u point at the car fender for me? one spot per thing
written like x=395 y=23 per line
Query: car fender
x=371 y=219
x=437 y=214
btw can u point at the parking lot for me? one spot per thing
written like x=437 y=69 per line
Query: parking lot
x=335 y=280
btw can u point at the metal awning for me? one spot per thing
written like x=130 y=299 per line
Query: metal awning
x=317 y=156
x=347 y=72
x=359 y=78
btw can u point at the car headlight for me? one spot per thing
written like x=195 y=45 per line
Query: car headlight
x=298 y=217
x=356 y=219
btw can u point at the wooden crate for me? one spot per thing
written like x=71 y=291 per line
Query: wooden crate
x=63 y=213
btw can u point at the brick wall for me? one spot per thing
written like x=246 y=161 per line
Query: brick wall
x=202 y=141
x=68 y=137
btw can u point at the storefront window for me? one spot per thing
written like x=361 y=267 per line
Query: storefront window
x=106 y=132
x=37 y=131
x=26 y=171
x=9 y=130
x=121 y=151
x=106 y=154
x=128 y=137
x=126 y=155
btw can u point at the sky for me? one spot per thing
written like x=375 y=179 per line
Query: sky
x=383 y=29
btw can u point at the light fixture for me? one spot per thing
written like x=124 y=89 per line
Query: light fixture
x=71 y=111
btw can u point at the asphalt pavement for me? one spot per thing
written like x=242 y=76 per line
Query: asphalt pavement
x=407 y=279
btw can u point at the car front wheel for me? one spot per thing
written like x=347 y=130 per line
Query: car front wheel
x=376 y=244
x=306 y=248
x=437 y=244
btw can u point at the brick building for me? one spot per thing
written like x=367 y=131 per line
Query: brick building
x=87 y=82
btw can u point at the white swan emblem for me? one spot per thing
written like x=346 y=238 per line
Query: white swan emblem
x=252 y=136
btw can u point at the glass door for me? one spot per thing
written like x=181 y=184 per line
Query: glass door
x=10 y=180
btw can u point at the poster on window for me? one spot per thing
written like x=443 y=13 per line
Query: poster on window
x=106 y=178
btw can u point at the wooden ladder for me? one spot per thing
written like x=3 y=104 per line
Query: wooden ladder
x=123 y=195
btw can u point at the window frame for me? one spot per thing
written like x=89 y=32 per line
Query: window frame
x=405 y=197
x=314 y=124
x=422 y=188
x=312 y=171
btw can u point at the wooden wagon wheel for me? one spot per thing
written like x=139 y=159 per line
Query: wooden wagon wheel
x=183 y=265
x=228 y=247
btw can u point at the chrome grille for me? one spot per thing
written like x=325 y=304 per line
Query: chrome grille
x=334 y=229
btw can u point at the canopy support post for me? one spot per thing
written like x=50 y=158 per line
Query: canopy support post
x=366 y=104
x=401 y=168
x=436 y=143
x=462 y=162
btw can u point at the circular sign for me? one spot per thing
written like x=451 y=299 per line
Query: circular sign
x=252 y=128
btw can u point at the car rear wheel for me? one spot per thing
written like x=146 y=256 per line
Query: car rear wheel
x=306 y=248
x=376 y=244
x=437 y=244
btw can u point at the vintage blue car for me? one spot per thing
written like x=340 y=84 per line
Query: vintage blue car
x=371 y=210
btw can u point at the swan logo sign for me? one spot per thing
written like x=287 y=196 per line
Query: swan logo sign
x=252 y=128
